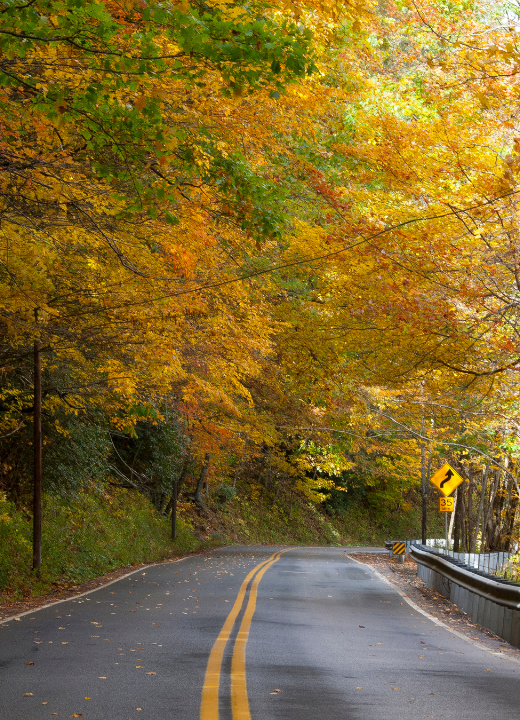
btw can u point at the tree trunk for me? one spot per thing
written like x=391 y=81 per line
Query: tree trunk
x=462 y=518
x=506 y=516
x=497 y=515
x=200 y=483
x=510 y=521
x=178 y=484
x=458 y=514
x=480 y=510
x=471 y=487
x=488 y=525
x=278 y=485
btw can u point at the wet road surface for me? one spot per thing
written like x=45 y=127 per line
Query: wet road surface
x=248 y=634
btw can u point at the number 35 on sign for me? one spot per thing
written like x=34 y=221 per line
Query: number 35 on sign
x=446 y=504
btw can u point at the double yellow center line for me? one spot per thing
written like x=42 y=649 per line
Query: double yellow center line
x=210 y=690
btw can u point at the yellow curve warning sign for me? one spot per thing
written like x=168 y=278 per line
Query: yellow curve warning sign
x=446 y=479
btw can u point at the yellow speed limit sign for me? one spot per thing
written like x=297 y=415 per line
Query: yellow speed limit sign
x=446 y=504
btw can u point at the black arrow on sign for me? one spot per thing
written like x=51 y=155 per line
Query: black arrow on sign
x=448 y=477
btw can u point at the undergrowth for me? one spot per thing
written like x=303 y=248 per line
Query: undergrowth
x=99 y=531
x=82 y=538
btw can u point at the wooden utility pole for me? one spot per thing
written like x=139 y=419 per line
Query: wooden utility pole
x=424 y=489
x=37 y=495
x=174 y=509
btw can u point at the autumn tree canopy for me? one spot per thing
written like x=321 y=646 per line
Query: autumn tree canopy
x=291 y=226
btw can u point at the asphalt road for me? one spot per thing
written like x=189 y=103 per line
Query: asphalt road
x=311 y=635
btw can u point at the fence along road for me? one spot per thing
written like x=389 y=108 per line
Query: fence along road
x=310 y=634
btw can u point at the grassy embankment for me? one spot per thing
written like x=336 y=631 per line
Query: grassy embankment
x=99 y=532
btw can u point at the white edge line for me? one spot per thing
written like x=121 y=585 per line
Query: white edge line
x=88 y=592
x=410 y=602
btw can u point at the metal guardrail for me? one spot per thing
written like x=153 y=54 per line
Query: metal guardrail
x=491 y=562
x=498 y=590
x=492 y=602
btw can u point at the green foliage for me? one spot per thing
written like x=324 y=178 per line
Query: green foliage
x=75 y=453
x=348 y=491
x=76 y=458
x=253 y=516
x=121 y=55
x=87 y=536
x=150 y=458
x=224 y=494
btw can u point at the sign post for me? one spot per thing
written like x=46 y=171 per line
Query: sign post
x=446 y=479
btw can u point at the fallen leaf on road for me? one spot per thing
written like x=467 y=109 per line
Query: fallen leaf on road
x=102 y=677
x=359 y=688
x=45 y=703
x=362 y=626
x=76 y=715
x=139 y=666
x=29 y=663
x=150 y=673
x=65 y=643
x=396 y=688
x=27 y=695
x=87 y=698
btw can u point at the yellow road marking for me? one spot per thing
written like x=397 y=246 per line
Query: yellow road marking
x=239 y=698
x=209 y=704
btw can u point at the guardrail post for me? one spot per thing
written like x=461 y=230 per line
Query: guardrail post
x=507 y=625
x=515 y=628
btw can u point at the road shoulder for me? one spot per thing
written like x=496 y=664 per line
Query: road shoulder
x=404 y=578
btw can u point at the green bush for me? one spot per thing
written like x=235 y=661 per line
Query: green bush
x=84 y=537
